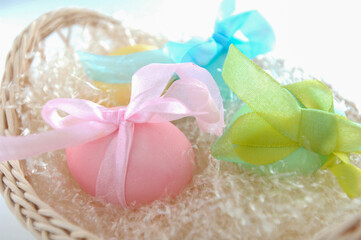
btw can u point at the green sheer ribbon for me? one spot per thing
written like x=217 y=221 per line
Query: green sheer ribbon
x=291 y=128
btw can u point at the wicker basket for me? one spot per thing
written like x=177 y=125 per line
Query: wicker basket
x=35 y=215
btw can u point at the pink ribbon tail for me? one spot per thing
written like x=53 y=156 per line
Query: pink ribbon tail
x=111 y=180
x=21 y=147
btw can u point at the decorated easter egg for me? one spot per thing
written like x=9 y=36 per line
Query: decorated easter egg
x=130 y=155
x=120 y=92
x=160 y=163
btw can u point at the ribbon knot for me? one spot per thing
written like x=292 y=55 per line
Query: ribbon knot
x=221 y=39
x=120 y=116
x=290 y=128
x=313 y=131
x=112 y=115
x=195 y=93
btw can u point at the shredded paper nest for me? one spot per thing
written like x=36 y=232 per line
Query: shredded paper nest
x=223 y=200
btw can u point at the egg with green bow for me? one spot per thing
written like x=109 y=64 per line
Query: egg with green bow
x=292 y=128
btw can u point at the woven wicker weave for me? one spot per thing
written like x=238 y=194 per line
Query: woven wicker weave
x=35 y=215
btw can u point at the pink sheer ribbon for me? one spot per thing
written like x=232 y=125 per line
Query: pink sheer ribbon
x=194 y=94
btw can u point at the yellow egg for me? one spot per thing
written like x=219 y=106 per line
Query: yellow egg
x=132 y=49
x=120 y=92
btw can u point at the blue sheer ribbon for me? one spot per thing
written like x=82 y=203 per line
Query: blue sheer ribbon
x=248 y=31
x=119 y=69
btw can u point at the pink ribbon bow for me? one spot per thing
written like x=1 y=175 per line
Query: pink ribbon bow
x=194 y=94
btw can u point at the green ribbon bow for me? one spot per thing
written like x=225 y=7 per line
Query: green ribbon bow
x=287 y=128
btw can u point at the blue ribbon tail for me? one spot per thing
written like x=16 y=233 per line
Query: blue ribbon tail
x=118 y=69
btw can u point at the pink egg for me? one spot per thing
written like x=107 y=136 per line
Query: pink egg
x=160 y=163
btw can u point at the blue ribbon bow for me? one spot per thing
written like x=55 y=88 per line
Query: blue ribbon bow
x=248 y=31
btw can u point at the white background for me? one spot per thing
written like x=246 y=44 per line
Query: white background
x=323 y=37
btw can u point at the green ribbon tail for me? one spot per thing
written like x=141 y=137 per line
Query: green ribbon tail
x=348 y=175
